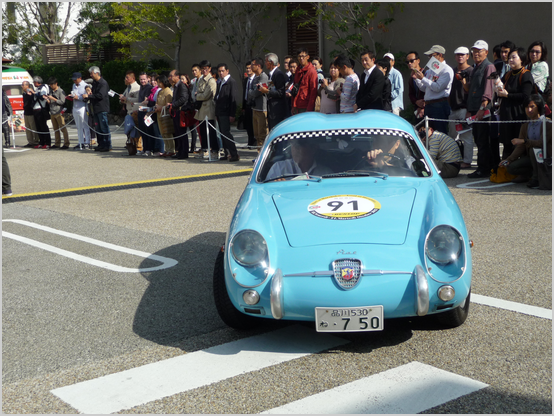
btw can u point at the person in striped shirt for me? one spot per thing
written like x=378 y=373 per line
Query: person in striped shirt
x=350 y=87
x=445 y=152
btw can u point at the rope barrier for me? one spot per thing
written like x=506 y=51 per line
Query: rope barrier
x=476 y=121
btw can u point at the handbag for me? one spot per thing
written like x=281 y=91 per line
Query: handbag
x=131 y=146
x=544 y=174
x=187 y=118
x=501 y=175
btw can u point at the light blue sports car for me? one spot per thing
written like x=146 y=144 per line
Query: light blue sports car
x=344 y=222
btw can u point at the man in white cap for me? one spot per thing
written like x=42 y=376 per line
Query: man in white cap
x=436 y=84
x=479 y=100
x=397 y=86
x=458 y=103
x=80 y=111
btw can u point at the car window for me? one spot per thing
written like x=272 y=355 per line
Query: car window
x=340 y=153
x=12 y=90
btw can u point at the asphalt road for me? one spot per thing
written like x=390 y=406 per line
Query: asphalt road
x=81 y=303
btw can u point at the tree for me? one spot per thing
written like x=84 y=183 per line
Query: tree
x=155 y=25
x=353 y=25
x=41 y=23
x=97 y=20
x=238 y=28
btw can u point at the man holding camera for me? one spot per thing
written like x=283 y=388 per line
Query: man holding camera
x=100 y=101
x=480 y=90
x=276 y=104
x=458 y=103
x=444 y=150
x=306 y=80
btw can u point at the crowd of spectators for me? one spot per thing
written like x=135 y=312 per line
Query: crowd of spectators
x=161 y=111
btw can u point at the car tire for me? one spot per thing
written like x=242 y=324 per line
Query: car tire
x=225 y=308
x=455 y=317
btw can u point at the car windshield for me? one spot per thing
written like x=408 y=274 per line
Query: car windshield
x=342 y=153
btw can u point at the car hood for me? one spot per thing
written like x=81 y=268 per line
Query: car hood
x=317 y=215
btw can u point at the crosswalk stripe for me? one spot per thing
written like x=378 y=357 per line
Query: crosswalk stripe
x=512 y=306
x=410 y=388
x=150 y=382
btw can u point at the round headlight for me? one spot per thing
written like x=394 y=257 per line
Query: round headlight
x=251 y=297
x=443 y=245
x=446 y=293
x=249 y=248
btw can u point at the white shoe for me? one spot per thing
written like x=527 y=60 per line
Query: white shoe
x=205 y=155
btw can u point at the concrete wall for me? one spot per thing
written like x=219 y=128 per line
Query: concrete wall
x=418 y=27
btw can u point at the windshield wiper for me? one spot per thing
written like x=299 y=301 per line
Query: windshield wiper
x=356 y=173
x=296 y=177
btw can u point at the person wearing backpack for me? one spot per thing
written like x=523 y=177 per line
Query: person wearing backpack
x=518 y=86
x=41 y=111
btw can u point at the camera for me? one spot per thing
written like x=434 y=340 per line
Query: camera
x=498 y=85
x=462 y=75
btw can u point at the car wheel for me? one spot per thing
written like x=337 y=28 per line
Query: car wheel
x=225 y=308
x=455 y=317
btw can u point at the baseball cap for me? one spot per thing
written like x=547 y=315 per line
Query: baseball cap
x=389 y=55
x=435 y=49
x=76 y=75
x=481 y=44
x=461 y=49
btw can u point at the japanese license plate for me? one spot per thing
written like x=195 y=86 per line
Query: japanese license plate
x=360 y=319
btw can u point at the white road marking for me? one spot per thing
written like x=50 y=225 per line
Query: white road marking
x=512 y=306
x=12 y=150
x=119 y=391
x=410 y=388
x=471 y=185
x=166 y=261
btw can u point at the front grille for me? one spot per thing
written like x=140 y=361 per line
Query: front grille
x=347 y=272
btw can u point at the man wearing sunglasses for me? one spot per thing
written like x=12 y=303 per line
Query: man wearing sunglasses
x=415 y=94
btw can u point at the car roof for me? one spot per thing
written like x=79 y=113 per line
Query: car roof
x=367 y=119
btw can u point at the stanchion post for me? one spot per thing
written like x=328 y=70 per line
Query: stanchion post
x=544 y=155
x=208 y=139
x=10 y=121
x=427 y=132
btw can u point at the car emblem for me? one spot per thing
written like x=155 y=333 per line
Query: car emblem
x=347 y=272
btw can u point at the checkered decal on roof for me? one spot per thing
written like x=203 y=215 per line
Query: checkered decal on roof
x=349 y=132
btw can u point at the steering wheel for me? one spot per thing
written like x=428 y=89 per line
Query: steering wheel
x=395 y=160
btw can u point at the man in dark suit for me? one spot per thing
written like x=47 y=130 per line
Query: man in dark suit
x=246 y=107
x=181 y=99
x=225 y=110
x=276 y=99
x=372 y=82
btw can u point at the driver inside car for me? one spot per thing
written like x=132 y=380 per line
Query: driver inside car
x=378 y=158
x=302 y=160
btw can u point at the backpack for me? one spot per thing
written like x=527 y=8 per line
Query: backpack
x=46 y=107
x=523 y=71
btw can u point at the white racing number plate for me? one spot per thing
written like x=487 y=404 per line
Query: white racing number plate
x=360 y=319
